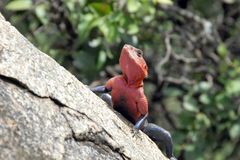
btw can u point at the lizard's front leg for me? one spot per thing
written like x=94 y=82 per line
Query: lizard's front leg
x=100 y=89
x=105 y=96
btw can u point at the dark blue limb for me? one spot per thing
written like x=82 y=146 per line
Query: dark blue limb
x=100 y=89
x=161 y=137
x=107 y=98
x=140 y=122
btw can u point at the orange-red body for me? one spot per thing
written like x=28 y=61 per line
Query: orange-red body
x=127 y=89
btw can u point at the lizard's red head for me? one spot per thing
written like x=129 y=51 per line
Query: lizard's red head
x=132 y=64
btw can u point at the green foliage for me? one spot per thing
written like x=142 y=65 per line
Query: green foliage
x=222 y=50
x=18 y=5
x=86 y=36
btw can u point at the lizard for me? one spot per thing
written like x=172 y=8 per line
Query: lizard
x=128 y=98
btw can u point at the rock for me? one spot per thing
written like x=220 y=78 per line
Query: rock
x=46 y=113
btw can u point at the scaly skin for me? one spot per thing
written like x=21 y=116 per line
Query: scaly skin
x=128 y=98
x=127 y=89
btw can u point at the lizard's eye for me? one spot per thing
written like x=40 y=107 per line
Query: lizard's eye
x=139 y=52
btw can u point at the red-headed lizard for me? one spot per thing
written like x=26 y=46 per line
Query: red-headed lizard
x=128 y=98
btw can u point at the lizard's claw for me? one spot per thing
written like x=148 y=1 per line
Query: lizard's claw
x=135 y=131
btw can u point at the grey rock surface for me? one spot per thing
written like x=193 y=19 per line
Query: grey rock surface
x=46 y=113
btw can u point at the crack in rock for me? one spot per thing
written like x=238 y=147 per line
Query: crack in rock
x=95 y=135
x=87 y=130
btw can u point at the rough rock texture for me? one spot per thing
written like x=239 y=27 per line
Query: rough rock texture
x=46 y=113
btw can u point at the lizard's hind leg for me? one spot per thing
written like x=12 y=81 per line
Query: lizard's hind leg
x=160 y=136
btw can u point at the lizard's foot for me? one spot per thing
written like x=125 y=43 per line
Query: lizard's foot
x=135 y=132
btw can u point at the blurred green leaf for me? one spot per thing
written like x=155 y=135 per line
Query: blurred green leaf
x=189 y=147
x=167 y=2
x=173 y=105
x=84 y=28
x=133 y=5
x=109 y=31
x=222 y=50
x=201 y=117
x=41 y=12
x=232 y=115
x=133 y=29
x=203 y=86
x=233 y=87
x=18 y=5
x=190 y=104
x=172 y=92
x=205 y=99
x=235 y=131
x=224 y=151
x=101 y=8
x=101 y=59
x=95 y=42
x=222 y=101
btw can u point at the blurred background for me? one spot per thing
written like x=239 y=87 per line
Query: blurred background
x=192 y=48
